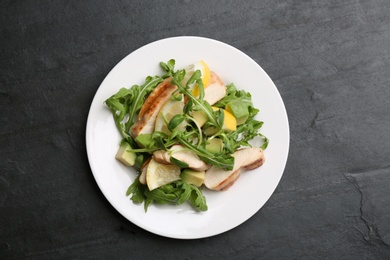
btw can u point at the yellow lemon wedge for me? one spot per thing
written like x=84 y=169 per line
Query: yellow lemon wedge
x=158 y=174
x=229 y=121
x=169 y=110
x=206 y=75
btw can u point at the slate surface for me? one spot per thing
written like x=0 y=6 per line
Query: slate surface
x=329 y=59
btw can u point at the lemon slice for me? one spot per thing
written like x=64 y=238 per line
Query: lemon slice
x=169 y=110
x=229 y=123
x=206 y=75
x=158 y=174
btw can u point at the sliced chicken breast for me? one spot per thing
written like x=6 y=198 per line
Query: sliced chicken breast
x=142 y=177
x=216 y=90
x=160 y=88
x=188 y=157
x=244 y=159
x=149 y=111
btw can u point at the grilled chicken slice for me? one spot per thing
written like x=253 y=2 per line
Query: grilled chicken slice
x=244 y=159
x=160 y=88
x=144 y=168
x=216 y=90
x=188 y=157
x=149 y=111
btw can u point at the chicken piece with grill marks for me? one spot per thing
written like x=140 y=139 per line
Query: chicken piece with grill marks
x=244 y=159
x=149 y=111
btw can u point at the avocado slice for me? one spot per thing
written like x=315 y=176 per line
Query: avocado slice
x=214 y=145
x=239 y=110
x=209 y=131
x=199 y=117
x=193 y=177
x=124 y=156
x=144 y=140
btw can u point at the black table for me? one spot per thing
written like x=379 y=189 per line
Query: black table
x=329 y=59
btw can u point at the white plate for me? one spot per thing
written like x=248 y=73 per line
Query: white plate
x=227 y=209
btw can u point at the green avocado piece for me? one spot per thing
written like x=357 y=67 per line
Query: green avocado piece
x=193 y=177
x=124 y=156
x=214 y=145
x=144 y=139
x=209 y=131
x=199 y=117
x=239 y=110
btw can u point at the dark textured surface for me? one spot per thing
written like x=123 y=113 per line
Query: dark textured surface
x=329 y=59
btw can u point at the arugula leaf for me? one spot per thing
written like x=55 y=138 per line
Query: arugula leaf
x=136 y=190
x=177 y=162
x=140 y=159
x=197 y=199
x=175 y=121
x=160 y=196
x=188 y=106
x=148 y=201
x=118 y=104
x=265 y=142
x=185 y=194
x=220 y=116
x=192 y=194
x=169 y=67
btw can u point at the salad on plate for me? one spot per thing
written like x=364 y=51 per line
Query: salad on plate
x=185 y=131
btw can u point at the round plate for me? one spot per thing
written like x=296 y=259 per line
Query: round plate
x=226 y=209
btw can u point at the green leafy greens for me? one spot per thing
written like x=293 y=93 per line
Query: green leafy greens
x=174 y=193
x=126 y=104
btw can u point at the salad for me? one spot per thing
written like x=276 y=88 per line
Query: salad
x=185 y=131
